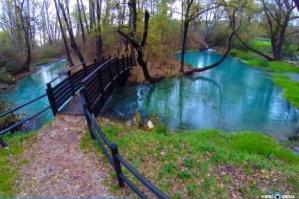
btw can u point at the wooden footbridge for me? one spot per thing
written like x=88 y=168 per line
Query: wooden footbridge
x=83 y=90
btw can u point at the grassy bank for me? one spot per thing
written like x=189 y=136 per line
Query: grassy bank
x=290 y=87
x=207 y=163
x=11 y=160
x=257 y=61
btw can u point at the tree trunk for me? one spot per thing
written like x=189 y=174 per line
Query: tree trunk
x=67 y=50
x=91 y=14
x=80 y=22
x=71 y=34
x=139 y=47
x=25 y=29
x=184 y=40
x=99 y=44
x=132 y=22
x=84 y=16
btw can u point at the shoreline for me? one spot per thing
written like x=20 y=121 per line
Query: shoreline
x=33 y=68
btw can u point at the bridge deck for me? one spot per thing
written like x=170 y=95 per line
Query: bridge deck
x=73 y=107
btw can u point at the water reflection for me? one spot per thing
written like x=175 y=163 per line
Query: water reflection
x=231 y=97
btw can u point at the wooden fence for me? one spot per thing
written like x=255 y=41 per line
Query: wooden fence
x=96 y=87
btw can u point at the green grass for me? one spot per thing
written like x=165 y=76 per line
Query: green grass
x=207 y=163
x=10 y=161
x=290 y=88
x=256 y=61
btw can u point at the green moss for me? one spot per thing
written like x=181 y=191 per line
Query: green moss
x=207 y=163
x=10 y=161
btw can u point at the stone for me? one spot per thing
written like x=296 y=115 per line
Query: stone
x=150 y=124
x=129 y=122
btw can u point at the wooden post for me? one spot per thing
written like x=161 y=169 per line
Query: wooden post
x=128 y=62
x=117 y=165
x=110 y=72
x=86 y=108
x=2 y=144
x=101 y=83
x=117 y=65
x=51 y=99
x=123 y=63
x=69 y=76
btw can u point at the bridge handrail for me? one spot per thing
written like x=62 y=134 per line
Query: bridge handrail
x=70 y=69
x=22 y=121
x=96 y=70
x=21 y=106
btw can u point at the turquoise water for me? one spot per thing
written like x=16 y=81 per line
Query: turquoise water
x=31 y=87
x=231 y=97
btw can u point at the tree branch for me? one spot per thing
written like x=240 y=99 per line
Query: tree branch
x=234 y=31
x=254 y=50
x=146 y=19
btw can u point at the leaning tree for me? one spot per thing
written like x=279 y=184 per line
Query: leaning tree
x=192 y=11
x=277 y=17
x=137 y=45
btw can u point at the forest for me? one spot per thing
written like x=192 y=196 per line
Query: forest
x=208 y=109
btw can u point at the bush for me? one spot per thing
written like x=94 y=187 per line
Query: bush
x=6 y=78
x=7 y=120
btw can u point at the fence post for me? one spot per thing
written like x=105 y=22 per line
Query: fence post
x=123 y=63
x=2 y=144
x=85 y=108
x=117 y=166
x=51 y=99
x=69 y=75
x=118 y=70
x=110 y=73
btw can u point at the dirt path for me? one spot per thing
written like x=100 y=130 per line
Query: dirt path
x=57 y=168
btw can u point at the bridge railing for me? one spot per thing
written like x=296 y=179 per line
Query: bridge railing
x=22 y=121
x=96 y=87
x=100 y=83
x=65 y=86
x=59 y=91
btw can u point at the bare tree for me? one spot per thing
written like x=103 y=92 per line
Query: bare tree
x=25 y=23
x=278 y=14
x=91 y=14
x=70 y=31
x=80 y=21
x=99 y=43
x=84 y=16
x=67 y=50
x=187 y=17
x=139 y=46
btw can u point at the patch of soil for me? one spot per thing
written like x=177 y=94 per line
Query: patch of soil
x=57 y=168
x=168 y=69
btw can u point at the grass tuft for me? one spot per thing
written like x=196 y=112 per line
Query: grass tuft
x=11 y=160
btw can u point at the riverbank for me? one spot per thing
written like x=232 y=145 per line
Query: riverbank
x=279 y=70
x=204 y=163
